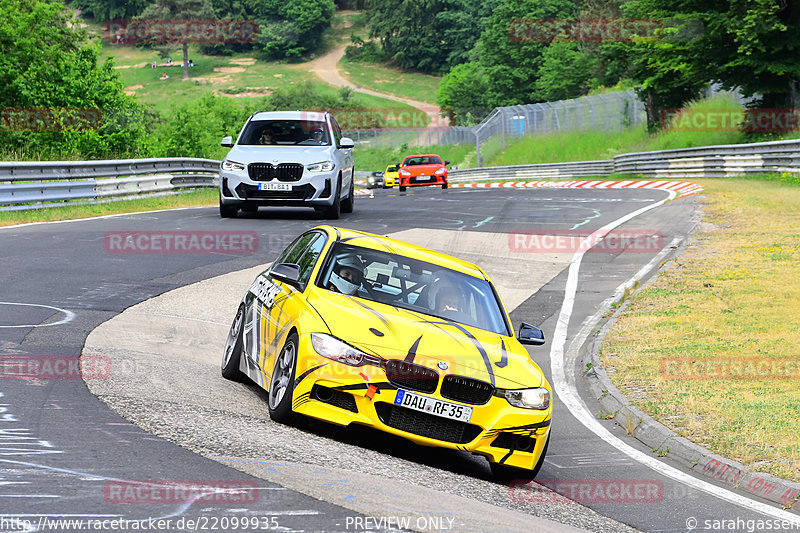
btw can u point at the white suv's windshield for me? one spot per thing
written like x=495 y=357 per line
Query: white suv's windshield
x=285 y=133
x=413 y=285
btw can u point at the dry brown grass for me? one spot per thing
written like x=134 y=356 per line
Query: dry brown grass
x=733 y=295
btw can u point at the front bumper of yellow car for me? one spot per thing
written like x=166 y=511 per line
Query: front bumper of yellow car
x=344 y=395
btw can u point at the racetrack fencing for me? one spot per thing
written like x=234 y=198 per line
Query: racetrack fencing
x=610 y=112
x=33 y=185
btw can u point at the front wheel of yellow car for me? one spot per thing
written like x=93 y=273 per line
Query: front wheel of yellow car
x=281 y=386
x=233 y=349
x=506 y=474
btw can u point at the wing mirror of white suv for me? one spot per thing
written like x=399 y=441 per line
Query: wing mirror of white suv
x=346 y=142
x=227 y=142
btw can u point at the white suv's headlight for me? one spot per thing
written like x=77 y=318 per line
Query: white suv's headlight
x=333 y=348
x=529 y=398
x=322 y=166
x=232 y=166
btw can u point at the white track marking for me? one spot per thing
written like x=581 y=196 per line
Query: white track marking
x=572 y=401
x=69 y=316
x=100 y=217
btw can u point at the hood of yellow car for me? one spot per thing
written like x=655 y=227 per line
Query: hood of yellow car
x=444 y=346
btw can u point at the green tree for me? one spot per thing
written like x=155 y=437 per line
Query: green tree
x=511 y=53
x=428 y=35
x=567 y=71
x=462 y=93
x=104 y=10
x=180 y=10
x=751 y=45
x=49 y=69
x=290 y=29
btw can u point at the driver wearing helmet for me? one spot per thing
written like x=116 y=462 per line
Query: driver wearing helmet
x=447 y=299
x=347 y=275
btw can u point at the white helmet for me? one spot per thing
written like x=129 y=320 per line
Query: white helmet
x=348 y=271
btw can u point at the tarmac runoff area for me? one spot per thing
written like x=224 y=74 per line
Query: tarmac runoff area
x=165 y=355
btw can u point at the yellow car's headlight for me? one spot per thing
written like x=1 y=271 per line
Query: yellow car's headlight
x=332 y=348
x=537 y=398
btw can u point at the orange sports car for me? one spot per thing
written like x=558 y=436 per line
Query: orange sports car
x=428 y=169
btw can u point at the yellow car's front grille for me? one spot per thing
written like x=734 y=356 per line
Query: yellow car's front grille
x=425 y=425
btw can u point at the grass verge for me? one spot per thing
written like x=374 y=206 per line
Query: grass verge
x=198 y=198
x=413 y=85
x=710 y=348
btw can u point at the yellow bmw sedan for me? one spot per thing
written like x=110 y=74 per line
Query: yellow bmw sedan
x=355 y=328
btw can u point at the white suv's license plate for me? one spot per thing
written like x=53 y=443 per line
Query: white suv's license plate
x=426 y=404
x=274 y=186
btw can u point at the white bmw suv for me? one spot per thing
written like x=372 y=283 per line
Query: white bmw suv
x=288 y=158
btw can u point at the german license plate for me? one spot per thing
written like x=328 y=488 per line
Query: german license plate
x=426 y=404
x=424 y=178
x=274 y=187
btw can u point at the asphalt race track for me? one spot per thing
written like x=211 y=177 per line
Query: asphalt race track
x=65 y=454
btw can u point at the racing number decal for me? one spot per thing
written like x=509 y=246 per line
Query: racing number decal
x=265 y=290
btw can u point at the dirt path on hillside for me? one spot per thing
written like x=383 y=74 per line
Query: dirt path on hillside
x=326 y=68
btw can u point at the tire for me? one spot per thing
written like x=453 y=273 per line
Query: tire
x=506 y=474
x=233 y=349
x=281 y=385
x=227 y=211
x=444 y=185
x=332 y=212
x=402 y=188
x=347 y=205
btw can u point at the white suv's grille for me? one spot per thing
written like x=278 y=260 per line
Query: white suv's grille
x=281 y=172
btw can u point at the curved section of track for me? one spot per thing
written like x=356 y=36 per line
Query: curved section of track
x=165 y=346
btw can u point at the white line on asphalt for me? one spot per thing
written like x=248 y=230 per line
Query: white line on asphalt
x=100 y=217
x=572 y=401
x=68 y=316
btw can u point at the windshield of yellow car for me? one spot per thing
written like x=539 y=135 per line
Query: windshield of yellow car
x=420 y=286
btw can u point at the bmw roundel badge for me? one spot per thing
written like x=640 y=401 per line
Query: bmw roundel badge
x=442 y=365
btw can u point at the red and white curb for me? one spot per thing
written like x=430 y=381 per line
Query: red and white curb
x=683 y=188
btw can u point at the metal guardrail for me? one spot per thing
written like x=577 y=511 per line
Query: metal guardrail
x=713 y=161
x=31 y=185
x=35 y=184
x=542 y=171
